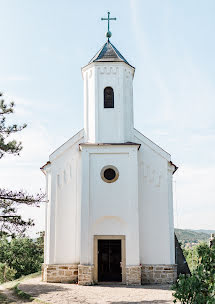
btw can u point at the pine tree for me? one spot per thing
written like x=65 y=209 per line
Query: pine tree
x=10 y=222
x=11 y=146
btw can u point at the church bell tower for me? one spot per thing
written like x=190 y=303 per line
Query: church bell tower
x=108 y=96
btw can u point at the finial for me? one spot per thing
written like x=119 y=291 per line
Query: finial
x=108 y=34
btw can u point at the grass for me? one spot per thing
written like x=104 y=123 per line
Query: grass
x=14 y=285
x=3 y=299
x=11 y=284
x=21 y=294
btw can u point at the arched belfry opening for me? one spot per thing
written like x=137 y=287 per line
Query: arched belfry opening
x=108 y=97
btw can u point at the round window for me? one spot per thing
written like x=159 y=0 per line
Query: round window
x=109 y=174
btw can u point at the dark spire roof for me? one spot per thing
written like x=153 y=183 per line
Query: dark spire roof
x=108 y=53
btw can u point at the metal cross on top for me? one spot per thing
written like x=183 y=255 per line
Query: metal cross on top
x=108 y=34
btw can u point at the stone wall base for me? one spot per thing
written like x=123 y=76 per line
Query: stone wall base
x=60 y=273
x=159 y=274
x=85 y=274
x=133 y=275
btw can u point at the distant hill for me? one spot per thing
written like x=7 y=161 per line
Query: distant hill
x=205 y=231
x=193 y=236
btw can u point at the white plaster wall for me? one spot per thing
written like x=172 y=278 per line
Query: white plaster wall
x=128 y=115
x=90 y=105
x=82 y=205
x=114 y=124
x=63 y=208
x=47 y=253
x=155 y=204
x=110 y=208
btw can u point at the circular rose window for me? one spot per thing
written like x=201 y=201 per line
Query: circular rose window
x=109 y=174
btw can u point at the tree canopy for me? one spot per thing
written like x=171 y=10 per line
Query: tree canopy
x=199 y=287
x=20 y=256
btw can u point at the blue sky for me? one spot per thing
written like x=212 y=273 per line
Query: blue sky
x=44 y=44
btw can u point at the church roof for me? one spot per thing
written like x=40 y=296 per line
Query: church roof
x=108 y=53
x=129 y=143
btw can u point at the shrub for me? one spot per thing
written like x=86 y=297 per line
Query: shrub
x=199 y=288
x=6 y=273
x=22 y=254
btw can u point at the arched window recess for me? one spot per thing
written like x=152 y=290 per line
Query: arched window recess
x=108 y=97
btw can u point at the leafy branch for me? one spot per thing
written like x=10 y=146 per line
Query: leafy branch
x=11 y=146
x=10 y=221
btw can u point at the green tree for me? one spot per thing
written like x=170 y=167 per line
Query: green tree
x=6 y=273
x=21 y=254
x=199 y=288
x=191 y=255
x=10 y=222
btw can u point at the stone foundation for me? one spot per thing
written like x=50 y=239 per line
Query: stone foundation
x=85 y=274
x=60 y=273
x=159 y=274
x=133 y=275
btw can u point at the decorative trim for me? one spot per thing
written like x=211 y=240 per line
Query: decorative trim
x=151 y=174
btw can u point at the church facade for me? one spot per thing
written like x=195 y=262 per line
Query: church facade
x=109 y=215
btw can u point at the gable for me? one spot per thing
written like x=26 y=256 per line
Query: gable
x=76 y=139
x=140 y=138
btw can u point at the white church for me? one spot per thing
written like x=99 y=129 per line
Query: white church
x=109 y=215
